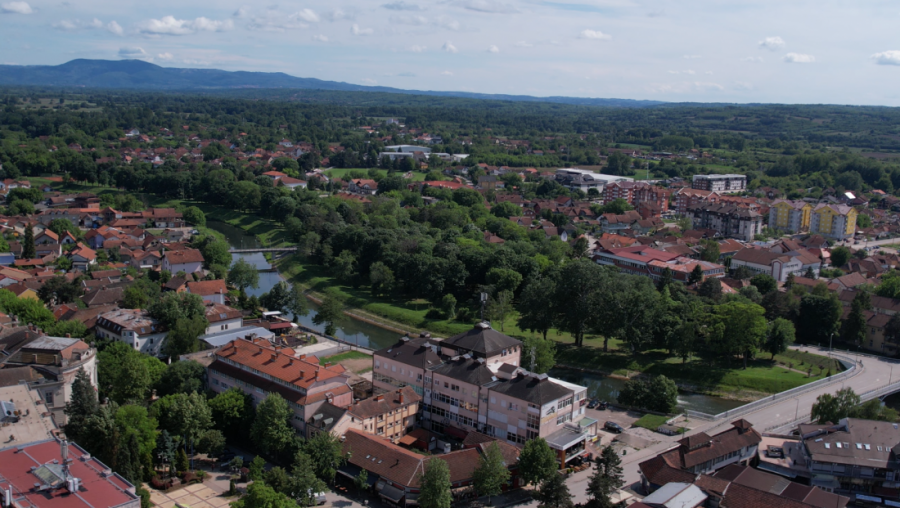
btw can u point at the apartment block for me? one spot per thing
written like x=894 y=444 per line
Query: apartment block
x=729 y=221
x=638 y=194
x=474 y=382
x=720 y=183
x=790 y=216
x=833 y=221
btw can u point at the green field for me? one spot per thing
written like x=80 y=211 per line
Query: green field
x=349 y=355
x=651 y=422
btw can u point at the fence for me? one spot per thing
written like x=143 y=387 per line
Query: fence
x=851 y=370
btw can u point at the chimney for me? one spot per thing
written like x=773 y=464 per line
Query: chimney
x=327 y=364
x=400 y=395
x=274 y=356
x=301 y=374
x=379 y=398
x=68 y=335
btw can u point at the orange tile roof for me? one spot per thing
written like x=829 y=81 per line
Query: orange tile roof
x=299 y=372
x=207 y=287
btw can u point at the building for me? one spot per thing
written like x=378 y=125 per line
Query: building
x=720 y=183
x=473 y=382
x=134 y=327
x=363 y=187
x=649 y=262
x=790 y=216
x=390 y=415
x=407 y=148
x=701 y=453
x=187 y=261
x=56 y=361
x=395 y=472
x=639 y=194
x=779 y=266
x=222 y=317
x=738 y=486
x=53 y=474
x=686 y=198
x=212 y=291
x=833 y=221
x=729 y=221
x=218 y=339
x=258 y=369
x=24 y=416
x=584 y=179
x=677 y=495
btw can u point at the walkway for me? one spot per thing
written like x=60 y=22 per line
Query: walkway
x=263 y=249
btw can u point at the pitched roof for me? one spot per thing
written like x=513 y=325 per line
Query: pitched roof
x=759 y=256
x=481 y=339
x=299 y=372
x=467 y=370
x=536 y=389
x=383 y=404
x=419 y=352
x=207 y=287
x=177 y=257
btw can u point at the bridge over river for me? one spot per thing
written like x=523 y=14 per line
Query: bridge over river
x=263 y=249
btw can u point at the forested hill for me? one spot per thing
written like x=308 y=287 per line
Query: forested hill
x=137 y=74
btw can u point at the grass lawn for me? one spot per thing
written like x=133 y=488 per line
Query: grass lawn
x=269 y=232
x=349 y=355
x=651 y=422
x=417 y=176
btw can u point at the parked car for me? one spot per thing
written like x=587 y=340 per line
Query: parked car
x=613 y=427
x=602 y=405
x=593 y=403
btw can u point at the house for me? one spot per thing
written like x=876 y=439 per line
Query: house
x=649 y=262
x=45 y=237
x=82 y=256
x=779 y=266
x=738 y=486
x=790 y=216
x=222 y=317
x=275 y=175
x=258 y=368
x=677 y=495
x=187 y=261
x=700 y=453
x=691 y=198
x=212 y=291
x=654 y=200
x=134 y=327
x=833 y=221
x=291 y=183
x=391 y=415
x=363 y=187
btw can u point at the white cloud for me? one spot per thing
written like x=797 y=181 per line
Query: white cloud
x=169 y=25
x=449 y=47
x=799 y=58
x=242 y=12
x=417 y=49
x=275 y=21
x=493 y=49
x=754 y=59
x=16 y=8
x=488 y=6
x=71 y=25
x=691 y=57
x=356 y=30
x=114 y=28
x=134 y=53
x=320 y=38
x=594 y=34
x=891 y=57
x=772 y=43
x=446 y=22
x=683 y=72
x=709 y=73
x=165 y=56
x=403 y=6
x=523 y=44
x=414 y=20
x=446 y=73
x=338 y=14
x=701 y=85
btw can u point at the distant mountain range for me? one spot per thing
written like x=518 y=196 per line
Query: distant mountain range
x=140 y=75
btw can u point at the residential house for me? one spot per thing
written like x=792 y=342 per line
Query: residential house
x=134 y=327
x=82 y=256
x=650 y=262
x=363 y=187
x=291 y=183
x=212 y=291
x=187 y=261
x=258 y=369
x=833 y=221
x=654 y=200
x=391 y=415
x=686 y=198
x=222 y=317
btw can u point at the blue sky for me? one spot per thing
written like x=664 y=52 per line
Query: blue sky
x=791 y=51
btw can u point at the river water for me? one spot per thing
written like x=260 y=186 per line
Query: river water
x=364 y=334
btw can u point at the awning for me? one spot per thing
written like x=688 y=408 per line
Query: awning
x=407 y=440
x=454 y=432
x=891 y=503
x=392 y=494
x=351 y=471
x=860 y=497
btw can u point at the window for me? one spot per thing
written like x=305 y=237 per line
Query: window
x=533 y=422
x=454 y=388
x=377 y=363
x=564 y=418
x=48 y=396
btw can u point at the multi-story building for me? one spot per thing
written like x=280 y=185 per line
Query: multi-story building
x=701 y=453
x=649 y=262
x=134 y=327
x=691 y=198
x=585 y=179
x=779 y=266
x=474 y=382
x=833 y=221
x=728 y=220
x=790 y=216
x=720 y=183
x=258 y=369
x=390 y=415
x=638 y=194
x=857 y=458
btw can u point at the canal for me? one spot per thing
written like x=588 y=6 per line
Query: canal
x=364 y=334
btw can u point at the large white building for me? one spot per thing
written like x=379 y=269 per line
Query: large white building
x=720 y=183
x=584 y=179
x=133 y=327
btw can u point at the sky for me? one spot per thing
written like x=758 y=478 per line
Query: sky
x=784 y=51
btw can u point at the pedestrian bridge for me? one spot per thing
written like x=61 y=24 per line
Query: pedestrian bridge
x=263 y=249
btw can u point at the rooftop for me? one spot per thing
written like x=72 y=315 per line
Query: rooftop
x=129 y=319
x=481 y=339
x=383 y=404
x=33 y=422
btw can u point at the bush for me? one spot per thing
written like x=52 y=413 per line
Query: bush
x=434 y=314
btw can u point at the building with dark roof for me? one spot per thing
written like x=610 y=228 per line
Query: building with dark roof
x=482 y=341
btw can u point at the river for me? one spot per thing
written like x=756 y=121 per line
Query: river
x=374 y=337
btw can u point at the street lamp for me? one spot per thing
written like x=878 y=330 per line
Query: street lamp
x=797 y=410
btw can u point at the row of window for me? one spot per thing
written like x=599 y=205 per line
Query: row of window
x=263 y=375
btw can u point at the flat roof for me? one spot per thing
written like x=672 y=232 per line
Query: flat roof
x=564 y=438
x=221 y=338
x=32 y=425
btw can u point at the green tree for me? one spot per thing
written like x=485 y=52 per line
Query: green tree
x=833 y=408
x=381 y=278
x=696 y=275
x=257 y=467
x=780 y=336
x=194 y=216
x=82 y=404
x=617 y=206
x=232 y=412
x=854 y=329
x=499 y=307
x=361 y=482
x=554 y=493
x=243 y=275
x=182 y=338
x=141 y=294
x=122 y=374
x=21 y=207
x=448 y=306
x=174 y=306
x=260 y=495
x=630 y=311
x=278 y=479
x=434 y=485
x=271 y=431
x=344 y=266
x=504 y=279
x=579 y=287
x=491 y=473
x=325 y=450
x=840 y=255
x=59 y=290
x=63 y=226
x=710 y=251
x=305 y=484
x=605 y=481
x=819 y=318
x=663 y=394
x=764 y=283
x=331 y=313
x=537 y=462
x=536 y=310
x=544 y=352
x=183 y=415
x=28 y=248
x=737 y=329
x=506 y=210
x=184 y=376
x=212 y=442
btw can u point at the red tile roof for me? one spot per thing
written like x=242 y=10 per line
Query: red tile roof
x=178 y=257
x=299 y=372
x=207 y=287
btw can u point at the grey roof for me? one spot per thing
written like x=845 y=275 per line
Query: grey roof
x=326 y=416
x=51 y=343
x=218 y=339
x=481 y=339
x=414 y=352
x=537 y=390
x=865 y=443
x=467 y=370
